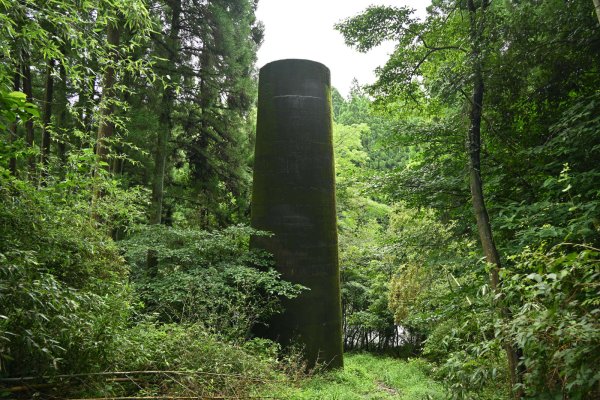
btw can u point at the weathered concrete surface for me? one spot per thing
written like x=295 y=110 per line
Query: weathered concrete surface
x=293 y=196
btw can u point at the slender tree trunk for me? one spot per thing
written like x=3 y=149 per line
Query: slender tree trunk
x=106 y=127
x=202 y=161
x=61 y=115
x=165 y=120
x=47 y=116
x=84 y=106
x=28 y=90
x=116 y=165
x=597 y=8
x=12 y=163
x=481 y=214
x=474 y=147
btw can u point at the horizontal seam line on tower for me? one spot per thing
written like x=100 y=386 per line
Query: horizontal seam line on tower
x=297 y=95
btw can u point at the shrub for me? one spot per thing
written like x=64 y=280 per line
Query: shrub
x=208 y=278
x=556 y=323
x=63 y=292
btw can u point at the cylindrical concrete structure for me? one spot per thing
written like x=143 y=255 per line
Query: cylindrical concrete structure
x=293 y=196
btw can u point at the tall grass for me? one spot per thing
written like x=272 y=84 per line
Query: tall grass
x=367 y=376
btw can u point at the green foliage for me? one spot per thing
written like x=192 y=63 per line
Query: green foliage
x=405 y=288
x=66 y=304
x=464 y=341
x=556 y=323
x=432 y=280
x=205 y=101
x=68 y=33
x=555 y=296
x=48 y=326
x=477 y=371
x=357 y=111
x=374 y=26
x=67 y=307
x=209 y=278
x=14 y=105
x=63 y=294
x=433 y=174
x=215 y=368
x=350 y=155
x=189 y=347
x=367 y=322
x=567 y=202
x=539 y=171
x=408 y=250
x=447 y=300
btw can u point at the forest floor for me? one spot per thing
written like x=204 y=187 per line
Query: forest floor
x=366 y=376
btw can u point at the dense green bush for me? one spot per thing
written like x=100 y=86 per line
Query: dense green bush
x=557 y=322
x=208 y=278
x=190 y=361
x=187 y=347
x=66 y=305
x=64 y=296
x=555 y=301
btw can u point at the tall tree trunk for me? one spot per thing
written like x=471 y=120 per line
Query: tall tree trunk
x=47 y=116
x=61 y=115
x=84 y=109
x=106 y=126
x=165 y=118
x=597 y=7
x=117 y=163
x=201 y=145
x=28 y=90
x=474 y=148
x=481 y=214
x=12 y=163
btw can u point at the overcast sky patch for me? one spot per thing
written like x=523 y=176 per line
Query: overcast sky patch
x=304 y=29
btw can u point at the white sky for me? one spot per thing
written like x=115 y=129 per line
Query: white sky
x=304 y=29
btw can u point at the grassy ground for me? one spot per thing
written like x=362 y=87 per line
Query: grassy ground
x=366 y=376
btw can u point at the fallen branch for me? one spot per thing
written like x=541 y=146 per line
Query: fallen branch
x=180 y=398
x=26 y=388
x=127 y=373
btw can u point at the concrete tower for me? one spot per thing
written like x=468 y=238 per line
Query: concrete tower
x=293 y=196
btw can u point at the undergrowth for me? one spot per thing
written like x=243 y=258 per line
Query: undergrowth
x=364 y=376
